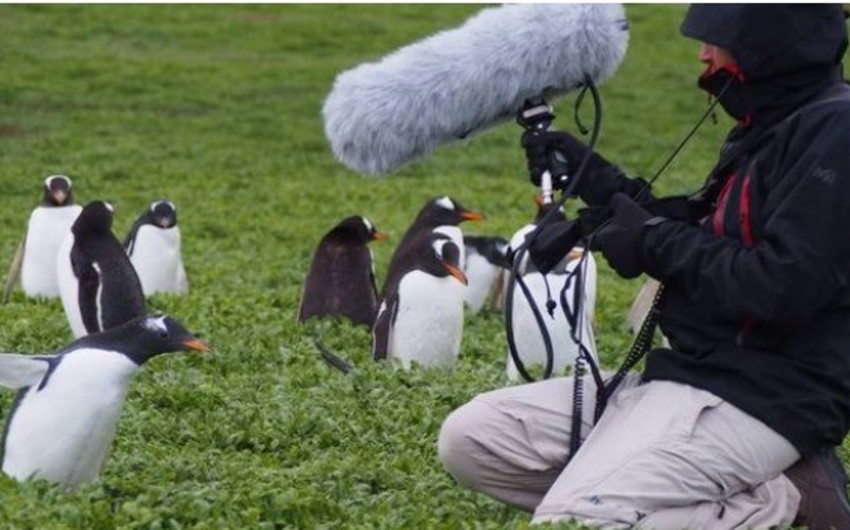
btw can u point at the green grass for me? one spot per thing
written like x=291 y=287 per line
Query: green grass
x=218 y=108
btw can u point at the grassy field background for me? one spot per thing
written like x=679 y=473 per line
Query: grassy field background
x=218 y=109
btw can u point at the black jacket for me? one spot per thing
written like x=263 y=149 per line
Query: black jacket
x=757 y=274
x=757 y=304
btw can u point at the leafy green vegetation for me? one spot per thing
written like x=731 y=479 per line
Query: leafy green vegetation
x=218 y=109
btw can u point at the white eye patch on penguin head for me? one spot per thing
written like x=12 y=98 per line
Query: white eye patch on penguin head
x=57 y=190
x=163 y=213
x=96 y=218
x=447 y=254
x=445 y=210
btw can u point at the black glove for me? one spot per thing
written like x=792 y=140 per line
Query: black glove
x=554 y=240
x=621 y=240
x=540 y=147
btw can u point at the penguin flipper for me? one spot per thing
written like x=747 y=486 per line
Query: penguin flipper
x=14 y=270
x=333 y=360
x=383 y=329
x=20 y=371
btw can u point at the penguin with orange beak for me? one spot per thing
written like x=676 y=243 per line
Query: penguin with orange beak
x=421 y=314
x=62 y=423
x=341 y=279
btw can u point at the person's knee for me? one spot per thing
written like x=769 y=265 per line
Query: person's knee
x=457 y=445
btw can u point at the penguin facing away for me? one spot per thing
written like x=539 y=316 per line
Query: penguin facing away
x=65 y=415
x=98 y=284
x=48 y=224
x=421 y=315
x=442 y=214
x=154 y=247
x=341 y=279
x=570 y=272
x=486 y=265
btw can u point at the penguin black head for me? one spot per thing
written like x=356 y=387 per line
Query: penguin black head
x=162 y=214
x=144 y=337
x=96 y=218
x=57 y=191
x=357 y=229
x=446 y=211
x=444 y=259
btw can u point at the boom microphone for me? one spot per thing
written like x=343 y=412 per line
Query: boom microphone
x=455 y=83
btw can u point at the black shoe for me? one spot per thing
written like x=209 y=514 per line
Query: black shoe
x=822 y=483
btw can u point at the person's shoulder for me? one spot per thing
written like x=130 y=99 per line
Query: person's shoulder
x=834 y=102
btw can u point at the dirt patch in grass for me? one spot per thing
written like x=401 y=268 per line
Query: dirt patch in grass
x=10 y=130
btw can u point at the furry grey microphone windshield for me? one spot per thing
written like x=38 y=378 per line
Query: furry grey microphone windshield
x=380 y=115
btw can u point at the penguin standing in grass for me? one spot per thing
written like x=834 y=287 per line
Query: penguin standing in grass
x=341 y=280
x=48 y=224
x=487 y=264
x=97 y=282
x=421 y=314
x=443 y=215
x=64 y=418
x=154 y=247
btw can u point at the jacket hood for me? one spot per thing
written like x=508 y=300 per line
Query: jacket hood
x=771 y=39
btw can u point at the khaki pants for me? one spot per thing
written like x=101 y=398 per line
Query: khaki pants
x=664 y=456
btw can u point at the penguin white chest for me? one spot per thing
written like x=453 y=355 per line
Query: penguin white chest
x=157 y=258
x=69 y=287
x=481 y=274
x=429 y=320
x=63 y=431
x=46 y=230
x=527 y=334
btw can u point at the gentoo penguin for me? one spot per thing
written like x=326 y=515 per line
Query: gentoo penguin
x=487 y=264
x=570 y=272
x=442 y=215
x=153 y=245
x=97 y=282
x=63 y=420
x=36 y=256
x=341 y=280
x=421 y=314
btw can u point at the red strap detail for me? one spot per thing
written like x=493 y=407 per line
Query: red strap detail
x=746 y=225
x=722 y=199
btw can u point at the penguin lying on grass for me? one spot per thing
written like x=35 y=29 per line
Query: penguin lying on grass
x=97 y=282
x=48 y=224
x=341 y=280
x=153 y=245
x=64 y=417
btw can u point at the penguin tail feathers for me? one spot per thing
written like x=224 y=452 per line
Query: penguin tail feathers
x=333 y=360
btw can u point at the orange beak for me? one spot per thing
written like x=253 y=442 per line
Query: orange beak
x=539 y=200
x=196 y=345
x=380 y=236
x=472 y=216
x=456 y=272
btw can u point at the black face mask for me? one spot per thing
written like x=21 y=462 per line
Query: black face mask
x=770 y=98
x=730 y=91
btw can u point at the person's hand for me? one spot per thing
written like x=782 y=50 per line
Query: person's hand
x=540 y=147
x=621 y=239
x=552 y=243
